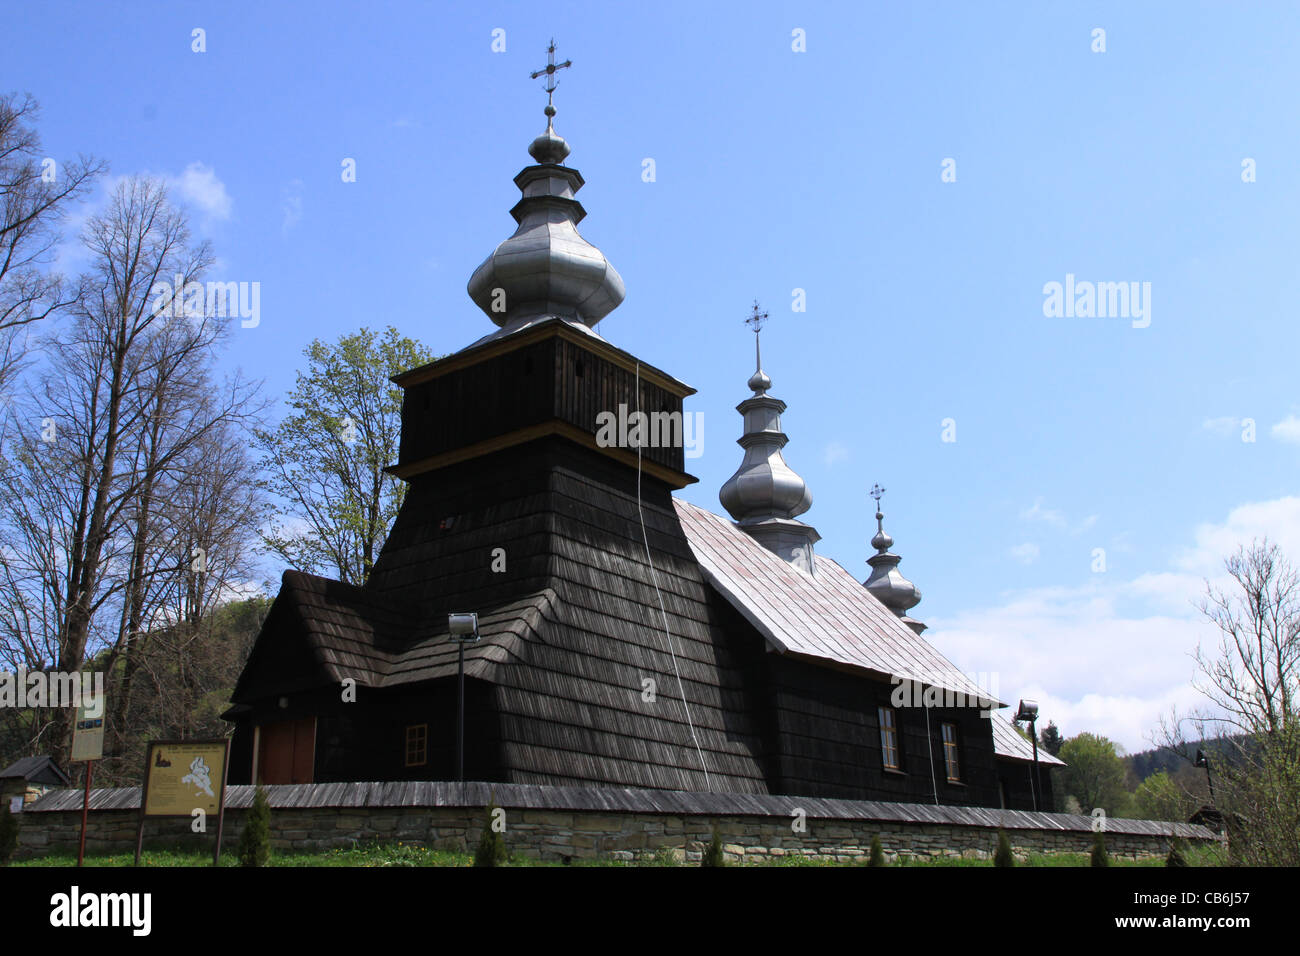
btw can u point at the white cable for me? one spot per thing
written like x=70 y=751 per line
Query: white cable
x=929 y=738
x=654 y=577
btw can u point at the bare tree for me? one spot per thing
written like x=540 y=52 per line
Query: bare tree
x=201 y=556
x=121 y=405
x=1251 y=682
x=188 y=441
x=34 y=195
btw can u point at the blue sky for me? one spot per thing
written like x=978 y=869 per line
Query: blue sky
x=818 y=170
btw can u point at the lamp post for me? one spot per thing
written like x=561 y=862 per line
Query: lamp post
x=1029 y=711
x=1203 y=760
x=463 y=628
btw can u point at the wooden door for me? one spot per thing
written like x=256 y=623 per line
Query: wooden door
x=286 y=751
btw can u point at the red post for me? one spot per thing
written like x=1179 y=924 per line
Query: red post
x=85 y=809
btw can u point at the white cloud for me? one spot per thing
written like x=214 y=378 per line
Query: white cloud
x=1223 y=426
x=1287 y=430
x=1113 y=656
x=199 y=187
x=196 y=187
x=291 y=205
x=1278 y=520
x=1027 y=552
x=835 y=452
x=1045 y=515
x=1055 y=518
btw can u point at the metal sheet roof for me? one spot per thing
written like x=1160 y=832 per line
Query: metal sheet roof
x=827 y=615
x=419 y=793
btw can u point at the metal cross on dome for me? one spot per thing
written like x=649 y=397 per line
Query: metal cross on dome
x=551 y=69
x=876 y=492
x=757 y=318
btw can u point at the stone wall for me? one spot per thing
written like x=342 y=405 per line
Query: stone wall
x=581 y=831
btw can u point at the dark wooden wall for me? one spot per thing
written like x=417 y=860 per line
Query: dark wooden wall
x=828 y=740
x=551 y=379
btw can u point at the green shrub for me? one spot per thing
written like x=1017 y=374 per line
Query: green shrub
x=663 y=856
x=1099 y=855
x=877 y=856
x=491 y=845
x=1003 y=856
x=1175 y=857
x=713 y=856
x=255 y=841
x=8 y=834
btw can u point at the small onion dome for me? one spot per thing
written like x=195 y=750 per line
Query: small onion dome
x=546 y=268
x=549 y=147
x=764 y=486
x=886 y=583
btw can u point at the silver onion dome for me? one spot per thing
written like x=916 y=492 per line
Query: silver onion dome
x=886 y=582
x=765 y=494
x=546 y=268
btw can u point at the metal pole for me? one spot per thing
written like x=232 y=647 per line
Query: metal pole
x=460 y=714
x=1033 y=736
x=85 y=809
x=221 y=806
x=1210 y=780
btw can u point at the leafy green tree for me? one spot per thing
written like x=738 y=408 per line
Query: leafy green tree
x=877 y=856
x=1158 y=797
x=491 y=844
x=1095 y=774
x=255 y=841
x=1050 y=739
x=327 y=457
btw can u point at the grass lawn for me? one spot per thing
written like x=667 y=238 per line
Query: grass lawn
x=390 y=854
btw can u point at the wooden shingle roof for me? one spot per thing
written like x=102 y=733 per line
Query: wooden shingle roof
x=38 y=770
x=411 y=793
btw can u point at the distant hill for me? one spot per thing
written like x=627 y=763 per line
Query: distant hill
x=1150 y=762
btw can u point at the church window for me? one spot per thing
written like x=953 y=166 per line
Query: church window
x=417 y=745
x=889 y=739
x=950 y=752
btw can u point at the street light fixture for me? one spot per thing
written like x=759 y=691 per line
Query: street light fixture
x=1203 y=760
x=463 y=629
x=1029 y=711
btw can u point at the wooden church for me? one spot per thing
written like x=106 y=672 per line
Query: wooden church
x=627 y=638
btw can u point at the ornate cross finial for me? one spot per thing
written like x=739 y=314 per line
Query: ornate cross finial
x=760 y=382
x=551 y=82
x=877 y=492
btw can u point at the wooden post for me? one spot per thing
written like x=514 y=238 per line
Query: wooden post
x=144 y=789
x=85 y=810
